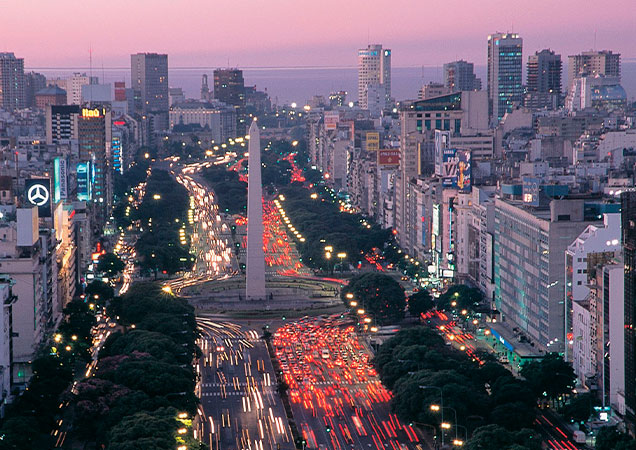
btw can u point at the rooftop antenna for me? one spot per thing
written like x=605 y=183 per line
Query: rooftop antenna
x=594 y=40
x=368 y=37
x=90 y=72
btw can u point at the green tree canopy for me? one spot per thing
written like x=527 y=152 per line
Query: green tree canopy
x=420 y=302
x=380 y=295
x=110 y=264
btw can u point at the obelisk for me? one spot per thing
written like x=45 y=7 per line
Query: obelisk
x=255 y=284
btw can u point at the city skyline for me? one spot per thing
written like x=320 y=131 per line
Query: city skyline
x=312 y=36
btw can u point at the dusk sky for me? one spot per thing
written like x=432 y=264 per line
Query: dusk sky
x=300 y=32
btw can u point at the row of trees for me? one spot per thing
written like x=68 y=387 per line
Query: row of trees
x=161 y=214
x=29 y=420
x=323 y=224
x=494 y=405
x=230 y=191
x=144 y=378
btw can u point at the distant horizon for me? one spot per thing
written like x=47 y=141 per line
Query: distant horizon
x=282 y=33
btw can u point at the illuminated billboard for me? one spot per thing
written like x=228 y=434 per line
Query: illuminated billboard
x=38 y=193
x=84 y=182
x=456 y=169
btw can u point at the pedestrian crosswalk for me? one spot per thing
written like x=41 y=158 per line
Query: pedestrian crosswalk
x=230 y=394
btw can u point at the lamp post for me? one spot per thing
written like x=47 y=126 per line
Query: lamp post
x=431 y=426
x=441 y=396
x=342 y=256
x=454 y=412
x=328 y=251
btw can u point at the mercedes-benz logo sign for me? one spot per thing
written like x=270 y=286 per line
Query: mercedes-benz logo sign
x=38 y=195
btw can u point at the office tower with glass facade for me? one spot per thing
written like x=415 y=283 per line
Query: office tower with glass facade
x=505 y=88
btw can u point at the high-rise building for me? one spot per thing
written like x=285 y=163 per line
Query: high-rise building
x=628 y=223
x=504 y=73
x=33 y=82
x=602 y=62
x=12 y=94
x=94 y=134
x=61 y=123
x=544 y=80
x=205 y=89
x=374 y=68
x=149 y=77
x=229 y=88
x=74 y=87
x=529 y=268
x=460 y=76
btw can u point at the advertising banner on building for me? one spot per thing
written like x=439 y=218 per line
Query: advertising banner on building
x=84 y=181
x=456 y=169
x=389 y=157
x=531 y=191
x=373 y=141
x=331 y=120
x=38 y=193
x=63 y=178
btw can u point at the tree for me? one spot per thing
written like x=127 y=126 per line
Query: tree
x=513 y=416
x=420 y=302
x=550 y=377
x=580 y=407
x=154 y=430
x=103 y=291
x=156 y=344
x=380 y=295
x=460 y=296
x=491 y=437
x=110 y=264
x=609 y=438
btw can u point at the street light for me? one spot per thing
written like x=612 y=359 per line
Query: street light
x=441 y=396
x=342 y=256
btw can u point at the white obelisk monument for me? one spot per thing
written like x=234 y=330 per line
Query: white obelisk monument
x=255 y=284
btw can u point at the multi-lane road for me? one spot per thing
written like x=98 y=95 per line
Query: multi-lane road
x=337 y=398
x=238 y=390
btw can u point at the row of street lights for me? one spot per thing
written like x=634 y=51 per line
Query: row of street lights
x=445 y=425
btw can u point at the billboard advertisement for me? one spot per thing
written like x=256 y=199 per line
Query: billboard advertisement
x=442 y=141
x=531 y=191
x=373 y=141
x=84 y=181
x=63 y=178
x=331 y=120
x=38 y=193
x=456 y=169
x=389 y=157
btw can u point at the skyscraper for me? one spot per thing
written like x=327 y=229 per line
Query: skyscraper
x=460 y=76
x=628 y=222
x=602 y=62
x=12 y=94
x=149 y=77
x=374 y=68
x=504 y=73
x=544 y=80
x=229 y=88
x=33 y=82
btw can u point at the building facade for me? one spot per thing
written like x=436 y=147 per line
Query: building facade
x=544 y=80
x=460 y=76
x=374 y=68
x=12 y=84
x=505 y=89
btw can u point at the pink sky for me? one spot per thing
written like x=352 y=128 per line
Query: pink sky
x=302 y=32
